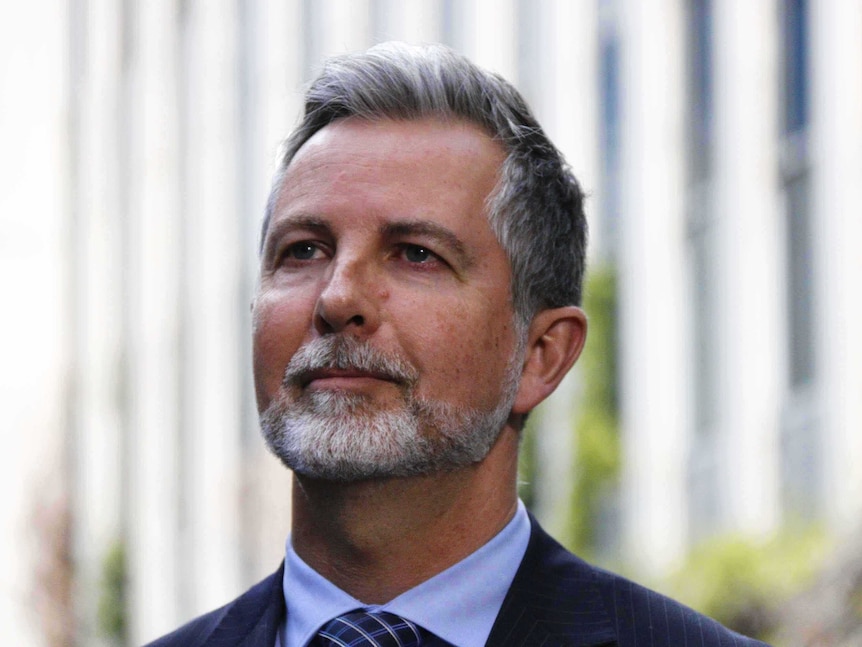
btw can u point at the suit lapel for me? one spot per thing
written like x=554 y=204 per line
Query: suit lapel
x=254 y=618
x=553 y=601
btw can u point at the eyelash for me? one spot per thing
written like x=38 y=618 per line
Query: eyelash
x=406 y=248
x=304 y=246
x=289 y=253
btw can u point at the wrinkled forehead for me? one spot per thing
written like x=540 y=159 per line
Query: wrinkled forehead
x=445 y=170
x=389 y=143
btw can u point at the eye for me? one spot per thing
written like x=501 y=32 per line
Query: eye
x=302 y=251
x=418 y=254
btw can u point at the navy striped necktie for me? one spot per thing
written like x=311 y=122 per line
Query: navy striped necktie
x=369 y=629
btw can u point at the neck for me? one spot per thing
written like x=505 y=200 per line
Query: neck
x=376 y=539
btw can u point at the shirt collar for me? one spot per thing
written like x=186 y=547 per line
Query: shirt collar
x=459 y=605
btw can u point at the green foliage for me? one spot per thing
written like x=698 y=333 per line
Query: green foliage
x=112 y=600
x=597 y=457
x=742 y=582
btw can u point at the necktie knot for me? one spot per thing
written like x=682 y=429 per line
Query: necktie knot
x=369 y=629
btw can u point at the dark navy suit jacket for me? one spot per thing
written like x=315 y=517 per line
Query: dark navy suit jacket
x=556 y=600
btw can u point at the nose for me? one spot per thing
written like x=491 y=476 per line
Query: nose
x=347 y=302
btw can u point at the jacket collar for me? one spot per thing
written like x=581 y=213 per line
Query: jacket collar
x=553 y=601
x=253 y=619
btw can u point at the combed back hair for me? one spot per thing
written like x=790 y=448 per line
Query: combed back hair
x=536 y=210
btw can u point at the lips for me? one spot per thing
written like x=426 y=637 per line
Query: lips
x=338 y=374
x=345 y=362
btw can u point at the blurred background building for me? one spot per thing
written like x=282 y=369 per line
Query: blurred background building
x=720 y=142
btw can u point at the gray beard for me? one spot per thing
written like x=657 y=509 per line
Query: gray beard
x=345 y=437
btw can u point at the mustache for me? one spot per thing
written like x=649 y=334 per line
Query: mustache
x=346 y=354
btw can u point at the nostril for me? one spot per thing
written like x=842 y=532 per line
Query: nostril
x=345 y=301
x=328 y=319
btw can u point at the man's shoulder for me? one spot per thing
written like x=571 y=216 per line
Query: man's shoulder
x=570 y=597
x=195 y=632
x=646 y=616
x=258 y=610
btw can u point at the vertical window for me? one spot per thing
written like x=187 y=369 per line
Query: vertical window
x=801 y=445
x=608 y=520
x=699 y=152
x=795 y=180
x=704 y=509
x=700 y=225
x=609 y=134
x=795 y=28
x=700 y=110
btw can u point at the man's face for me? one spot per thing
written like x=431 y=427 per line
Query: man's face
x=383 y=326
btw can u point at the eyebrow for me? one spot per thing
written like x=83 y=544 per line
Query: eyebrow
x=432 y=230
x=278 y=229
x=424 y=228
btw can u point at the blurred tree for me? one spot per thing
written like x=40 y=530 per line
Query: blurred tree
x=597 y=444
x=597 y=450
x=743 y=583
x=829 y=612
x=112 y=601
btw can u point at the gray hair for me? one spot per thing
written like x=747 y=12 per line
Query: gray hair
x=536 y=210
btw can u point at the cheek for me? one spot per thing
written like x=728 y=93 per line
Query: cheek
x=279 y=328
x=464 y=356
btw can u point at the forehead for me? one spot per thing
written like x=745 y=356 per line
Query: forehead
x=417 y=165
x=399 y=140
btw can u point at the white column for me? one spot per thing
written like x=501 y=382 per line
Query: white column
x=344 y=27
x=277 y=77
x=273 y=108
x=570 y=90
x=99 y=422
x=655 y=389
x=35 y=326
x=836 y=154
x=417 y=21
x=750 y=261
x=212 y=307
x=490 y=35
x=563 y=82
x=152 y=289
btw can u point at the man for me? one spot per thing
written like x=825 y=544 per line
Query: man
x=421 y=266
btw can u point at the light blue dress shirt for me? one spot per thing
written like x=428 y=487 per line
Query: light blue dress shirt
x=459 y=605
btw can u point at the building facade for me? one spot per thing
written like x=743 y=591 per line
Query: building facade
x=720 y=142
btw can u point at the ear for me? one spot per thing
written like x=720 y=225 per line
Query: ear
x=554 y=342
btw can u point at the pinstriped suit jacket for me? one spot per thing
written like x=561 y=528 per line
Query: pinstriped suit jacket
x=556 y=600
